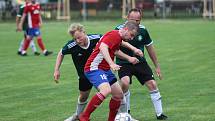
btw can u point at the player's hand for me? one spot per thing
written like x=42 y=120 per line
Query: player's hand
x=133 y=60
x=138 y=52
x=158 y=72
x=40 y=25
x=56 y=76
x=115 y=67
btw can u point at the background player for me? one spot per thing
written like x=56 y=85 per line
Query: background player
x=25 y=30
x=34 y=23
x=141 y=70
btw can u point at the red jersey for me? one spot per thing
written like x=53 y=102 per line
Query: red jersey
x=96 y=60
x=33 y=14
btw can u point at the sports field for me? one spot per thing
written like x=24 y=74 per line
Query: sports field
x=186 y=52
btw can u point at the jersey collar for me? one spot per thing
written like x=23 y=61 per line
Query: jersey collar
x=88 y=43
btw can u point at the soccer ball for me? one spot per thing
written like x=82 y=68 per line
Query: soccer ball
x=123 y=117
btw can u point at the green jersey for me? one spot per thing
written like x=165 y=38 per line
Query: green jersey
x=140 y=40
x=79 y=54
x=19 y=14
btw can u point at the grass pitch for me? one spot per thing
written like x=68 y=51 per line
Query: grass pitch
x=186 y=53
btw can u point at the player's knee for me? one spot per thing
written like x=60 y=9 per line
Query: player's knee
x=83 y=98
x=152 y=85
x=125 y=85
x=106 y=91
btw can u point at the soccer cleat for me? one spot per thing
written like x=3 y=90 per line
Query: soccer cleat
x=82 y=117
x=19 y=52
x=162 y=117
x=36 y=53
x=74 y=117
x=48 y=53
x=24 y=54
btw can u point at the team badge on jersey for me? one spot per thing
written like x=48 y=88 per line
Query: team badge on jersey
x=140 y=38
x=79 y=54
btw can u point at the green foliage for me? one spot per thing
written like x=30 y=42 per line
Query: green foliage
x=186 y=54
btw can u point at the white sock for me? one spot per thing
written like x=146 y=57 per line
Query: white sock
x=32 y=45
x=23 y=51
x=156 y=100
x=80 y=107
x=21 y=46
x=44 y=51
x=123 y=107
x=127 y=96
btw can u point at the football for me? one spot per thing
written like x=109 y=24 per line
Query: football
x=123 y=117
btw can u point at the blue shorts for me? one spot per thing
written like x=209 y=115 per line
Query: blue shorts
x=33 y=32
x=98 y=77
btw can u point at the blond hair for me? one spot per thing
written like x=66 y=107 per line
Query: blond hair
x=75 y=27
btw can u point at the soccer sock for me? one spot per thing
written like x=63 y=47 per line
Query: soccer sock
x=25 y=45
x=123 y=105
x=114 y=105
x=80 y=107
x=127 y=96
x=156 y=100
x=21 y=45
x=40 y=43
x=94 y=103
x=32 y=45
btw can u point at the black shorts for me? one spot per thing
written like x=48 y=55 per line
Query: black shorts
x=84 y=83
x=142 y=71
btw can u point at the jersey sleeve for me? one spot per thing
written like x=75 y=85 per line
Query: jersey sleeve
x=147 y=39
x=20 y=12
x=67 y=49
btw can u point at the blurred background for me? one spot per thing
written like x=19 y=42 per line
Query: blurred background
x=112 y=9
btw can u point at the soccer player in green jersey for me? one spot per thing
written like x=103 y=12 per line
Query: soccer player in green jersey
x=80 y=49
x=141 y=70
x=25 y=30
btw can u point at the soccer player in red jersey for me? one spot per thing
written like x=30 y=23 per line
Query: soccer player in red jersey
x=99 y=65
x=32 y=11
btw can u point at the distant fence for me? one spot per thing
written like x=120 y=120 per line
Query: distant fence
x=111 y=9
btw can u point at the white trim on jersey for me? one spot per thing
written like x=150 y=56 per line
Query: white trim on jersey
x=71 y=44
x=88 y=44
x=94 y=37
x=29 y=20
x=96 y=61
x=150 y=43
x=142 y=26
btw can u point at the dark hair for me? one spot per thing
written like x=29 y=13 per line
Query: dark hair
x=135 y=10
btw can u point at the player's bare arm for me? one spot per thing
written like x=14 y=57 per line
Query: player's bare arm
x=124 y=56
x=17 y=23
x=21 y=21
x=104 y=50
x=57 y=66
x=131 y=47
x=41 y=22
x=153 y=57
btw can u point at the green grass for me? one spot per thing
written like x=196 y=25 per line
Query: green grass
x=186 y=53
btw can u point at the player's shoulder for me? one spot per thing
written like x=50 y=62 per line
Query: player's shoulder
x=22 y=6
x=71 y=44
x=28 y=4
x=142 y=28
x=120 y=26
x=94 y=36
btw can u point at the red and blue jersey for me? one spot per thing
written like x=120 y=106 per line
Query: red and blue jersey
x=33 y=14
x=96 y=60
